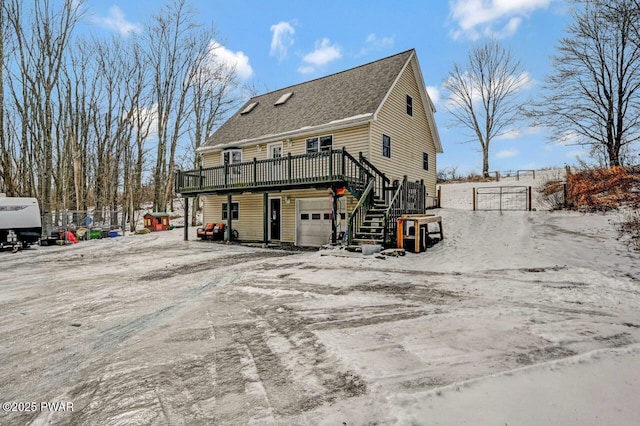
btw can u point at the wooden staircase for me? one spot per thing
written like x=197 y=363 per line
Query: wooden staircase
x=374 y=219
x=371 y=231
x=380 y=204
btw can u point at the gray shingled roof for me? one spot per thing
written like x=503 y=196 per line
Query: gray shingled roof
x=338 y=96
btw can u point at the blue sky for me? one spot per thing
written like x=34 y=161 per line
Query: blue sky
x=274 y=44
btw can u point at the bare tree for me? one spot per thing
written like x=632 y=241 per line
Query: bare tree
x=592 y=96
x=42 y=44
x=482 y=95
x=90 y=124
x=6 y=180
x=213 y=96
x=175 y=45
x=138 y=106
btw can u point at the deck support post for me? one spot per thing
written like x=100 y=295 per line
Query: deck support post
x=334 y=212
x=265 y=217
x=186 y=218
x=229 y=230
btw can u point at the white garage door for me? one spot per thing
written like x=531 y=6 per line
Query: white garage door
x=313 y=222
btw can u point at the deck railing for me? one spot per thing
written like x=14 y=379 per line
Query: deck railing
x=381 y=184
x=326 y=166
x=409 y=198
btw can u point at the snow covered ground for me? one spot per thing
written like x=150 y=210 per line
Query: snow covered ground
x=518 y=317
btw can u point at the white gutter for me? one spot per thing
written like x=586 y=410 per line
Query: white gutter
x=308 y=130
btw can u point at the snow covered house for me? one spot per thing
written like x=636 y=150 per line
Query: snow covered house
x=340 y=156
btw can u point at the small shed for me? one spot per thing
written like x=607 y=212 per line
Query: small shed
x=157 y=221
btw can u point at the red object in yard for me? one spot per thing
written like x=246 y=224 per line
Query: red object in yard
x=157 y=221
x=70 y=237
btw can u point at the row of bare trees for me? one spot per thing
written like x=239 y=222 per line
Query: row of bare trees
x=88 y=121
x=592 y=97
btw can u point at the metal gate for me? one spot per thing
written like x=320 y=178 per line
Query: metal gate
x=502 y=198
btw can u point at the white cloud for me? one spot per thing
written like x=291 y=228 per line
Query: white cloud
x=236 y=60
x=282 y=39
x=115 y=20
x=306 y=69
x=510 y=134
x=569 y=138
x=324 y=53
x=147 y=118
x=507 y=153
x=373 y=43
x=522 y=82
x=481 y=17
x=434 y=94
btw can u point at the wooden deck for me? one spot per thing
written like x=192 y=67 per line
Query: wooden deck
x=323 y=169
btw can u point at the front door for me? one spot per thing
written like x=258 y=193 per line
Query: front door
x=274 y=218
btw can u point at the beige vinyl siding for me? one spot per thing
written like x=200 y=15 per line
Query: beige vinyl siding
x=250 y=222
x=214 y=159
x=410 y=135
x=354 y=139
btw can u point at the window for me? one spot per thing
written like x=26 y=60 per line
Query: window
x=326 y=142
x=425 y=161
x=386 y=146
x=232 y=156
x=249 y=108
x=284 y=98
x=312 y=145
x=235 y=209
x=321 y=144
x=409 y=105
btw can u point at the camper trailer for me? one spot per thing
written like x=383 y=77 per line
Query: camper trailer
x=20 y=222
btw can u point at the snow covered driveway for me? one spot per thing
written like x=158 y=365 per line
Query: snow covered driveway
x=516 y=318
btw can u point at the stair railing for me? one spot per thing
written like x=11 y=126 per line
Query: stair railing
x=357 y=216
x=394 y=211
x=382 y=181
x=409 y=198
x=355 y=174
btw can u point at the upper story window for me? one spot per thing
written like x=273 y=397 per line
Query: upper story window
x=232 y=156
x=319 y=144
x=425 y=161
x=409 y=105
x=386 y=146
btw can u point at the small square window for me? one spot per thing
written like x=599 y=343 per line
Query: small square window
x=386 y=146
x=326 y=142
x=304 y=216
x=409 y=105
x=312 y=145
x=315 y=216
x=235 y=208
x=425 y=161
